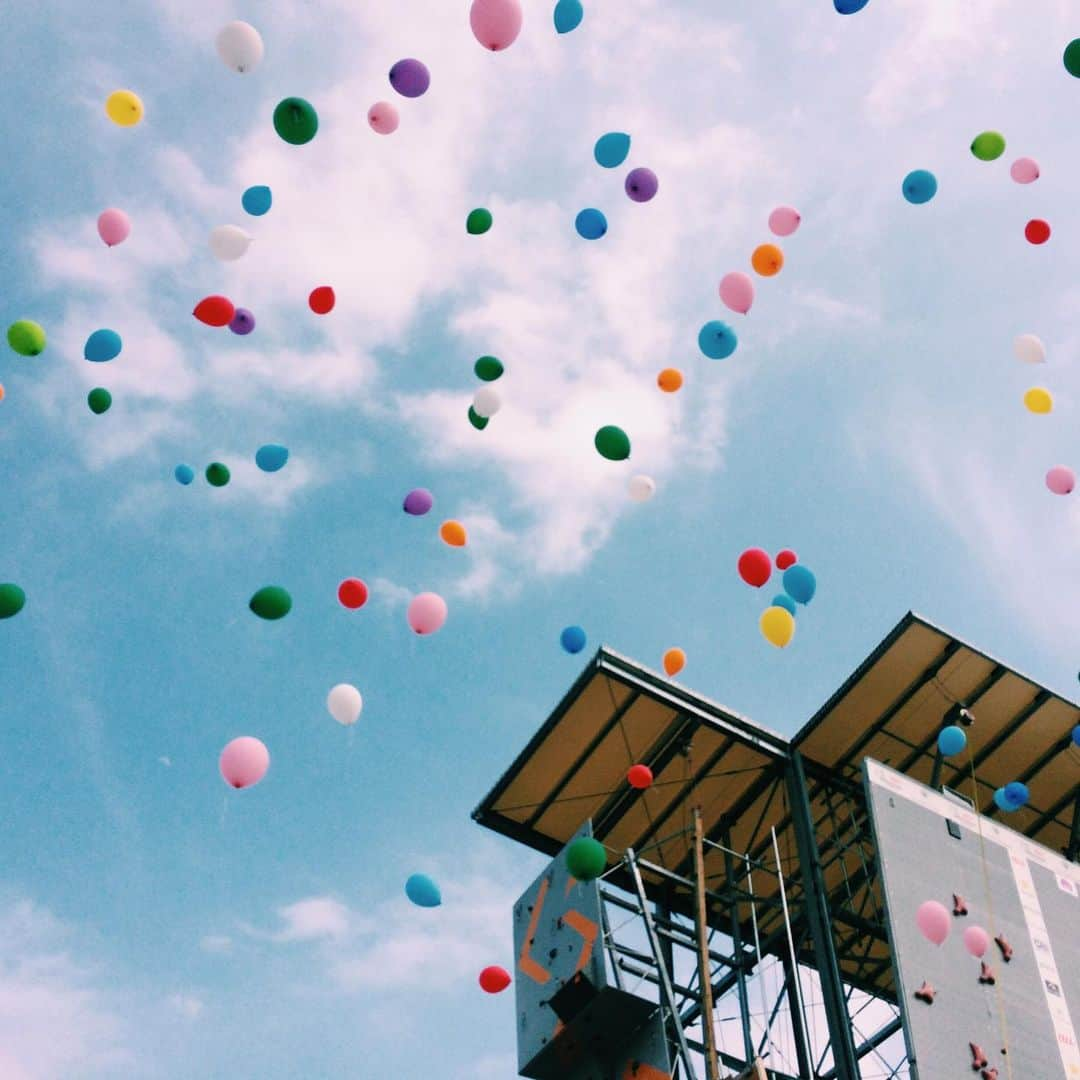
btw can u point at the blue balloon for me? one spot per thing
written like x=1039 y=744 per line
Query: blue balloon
x=920 y=186
x=184 y=474
x=1016 y=794
x=102 y=345
x=422 y=891
x=257 y=200
x=800 y=583
x=952 y=740
x=568 y=15
x=612 y=149
x=591 y=224
x=1076 y=735
x=1001 y=802
x=849 y=7
x=784 y=601
x=271 y=457
x=717 y=340
x=573 y=639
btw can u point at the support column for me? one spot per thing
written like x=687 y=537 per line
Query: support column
x=1072 y=853
x=712 y=1063
x=737 y=949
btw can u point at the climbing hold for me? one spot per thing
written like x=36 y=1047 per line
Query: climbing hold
x=958 y=905
x=978 y=1058
x=926 y=993
x=986 y=974
x=1006 y=949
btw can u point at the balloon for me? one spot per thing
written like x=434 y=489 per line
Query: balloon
x=12 y=600
x=478 y=422
x=786 y=558
x=919 y=186
x=1 y=392
x=102 y=346
x=1072 y=58
x=1016 y=794
x=590 y=224
x=271 y=602
x=352 y=593
x=849 y=7
x=737 y=291
x=674 y=661
x=215 y=311
x=239 y=46
x=486 y=402
x=422 y=891
x=1038 y=400
x=976 y=940
x=572 y=639
x=1037 y=231
x=478 y=222
x=988 y=146
x=99 y=399
x=296 y=121
x=642 y=488
x=495 y=23
x=488 y=368
x=26 y=337
x=217 y=475
x=612 y=443
x=124 y=108
x=453 y=533
x=767 y=260
x=586 y=859
x=612 y=149
x=244 y=762
x=229 y=242
x=951 y=741
x=345 y=703
x=641 y=184
x=669 y=380
x=933 y=921
x=777 y=625
x=1076 y=735
x=1029 y=349
x=755 y=567
x=493 y=980
x=1061 y=480
x=1001 y=802
x=427 y=613
x=784 y=220
x=568 y=15
x=800 y=583
x=271 y=457
x=418 y=502
x=639 y=776
x=322 y=300
x=184 y=474
x=383 y=118
x=717 y=340
x=257 y=200
x=113 y=226
x=785 y=601
x=243 y=322
x=1024 y=170
x=410 y=78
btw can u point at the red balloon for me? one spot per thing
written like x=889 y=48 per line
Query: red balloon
x=493 y=980
x=352 y=593
x=639 y=776
x=322 y=300
x=785 y=559
x=215 y=311
x=1037 y=231
x=755 y=567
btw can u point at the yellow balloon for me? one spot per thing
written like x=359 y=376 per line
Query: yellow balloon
x=124 y=108
x=778 y=626
x=1038 y=400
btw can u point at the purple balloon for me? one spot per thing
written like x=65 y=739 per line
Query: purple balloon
x=410 y=78
x=641 y=184
x=243 y=322
x=418 y=502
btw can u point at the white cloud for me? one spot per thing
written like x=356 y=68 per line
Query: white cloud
x=312 y=919
x=216 y=943
x=186 y=1005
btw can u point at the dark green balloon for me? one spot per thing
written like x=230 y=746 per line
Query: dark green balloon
x=988 y=145
x=12 y=599
x=296 y=121
x=488 y=368
x=26 y=337
x=478 y=422
x=613 y=443
x=217 y=474
x=1072 y=58
x=99 y=399
x=586 y=858
x=478 y=222
x=271 y=602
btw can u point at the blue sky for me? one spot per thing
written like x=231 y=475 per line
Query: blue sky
x=154 y=923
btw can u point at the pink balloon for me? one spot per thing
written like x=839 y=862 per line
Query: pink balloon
x=933 y=921
x=383 y=118
x=1061 y=480
x=737 y=291
x=1025 y=170
x=244 y=762
x=427 y=612
x=496 y=23
x=976 y=940
x=113 y=226
x=784 y=220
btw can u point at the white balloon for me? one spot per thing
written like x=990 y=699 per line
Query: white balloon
x=642 y=488
x=1029 y=349
x=229 y=242
x=486 y=402
x=240 y=46
x=345 y=703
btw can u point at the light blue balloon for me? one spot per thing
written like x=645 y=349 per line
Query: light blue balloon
x=800 y=583
x=257 y=200
x=1076 y=735
x=184 y=474
x=422 y=891
x=784 y=601
x=919 y=186
x=1001 y=802
x=568 y=15
x=1016 y=794
x=102 y=345
x=271 y=457
x=717 y=340
x=573 y=639
x=590 y=224
x=952 y=740
x=612 y=149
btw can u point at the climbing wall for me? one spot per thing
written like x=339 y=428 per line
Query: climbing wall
x=1022 y=1009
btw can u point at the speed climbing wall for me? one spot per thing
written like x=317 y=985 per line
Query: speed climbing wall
x=1015 y=1009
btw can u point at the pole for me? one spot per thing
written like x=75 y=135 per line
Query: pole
x=712 y=1063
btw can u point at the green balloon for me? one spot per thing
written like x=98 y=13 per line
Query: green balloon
x=12 y=599
x=99 y=399
x=478 y=422
x=1072 y=58
x=26 y=337
x=478 y=221
x=296 y=121
x=217 y=474
x=586 y=858
x=613 y=443
x=488 y=368
x=271 y=602
x=988 y=146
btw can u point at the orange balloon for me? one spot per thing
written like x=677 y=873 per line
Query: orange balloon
x=669 y=380
x=453 y=533
x=1 y=391
x=674 y=661
x=767 y=260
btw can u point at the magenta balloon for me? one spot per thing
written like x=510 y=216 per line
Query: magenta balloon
x=427 y=612
x=1025 y=170
x=784 y=220
x=933 y=921
x=113 y=226
x=737 y=291
x=244 y=762
x=496 y=23
x=641 y=184
x=383 y=118
x=976 y=940
x=1061 y=480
